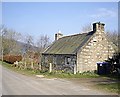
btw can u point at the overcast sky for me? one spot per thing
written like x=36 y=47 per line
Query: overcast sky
x=47 y=18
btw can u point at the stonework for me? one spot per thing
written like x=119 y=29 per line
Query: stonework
x=98 y=49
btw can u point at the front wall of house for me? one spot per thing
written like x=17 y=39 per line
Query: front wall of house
x=60 y=62
x=98 y=49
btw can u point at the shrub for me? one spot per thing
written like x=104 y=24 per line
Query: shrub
x=12 y=58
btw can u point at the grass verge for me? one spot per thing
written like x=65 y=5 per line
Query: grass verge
x=59 y=74
x=110 y=87
x=21 y=71
x=54 y=74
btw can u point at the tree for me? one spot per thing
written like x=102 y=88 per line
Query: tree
x=42 y=43
x=1 y=49
x=112 y=36
x=114 y=61
x=28 y=43
x=87 y=28
x=28 y=51
x=9 y=41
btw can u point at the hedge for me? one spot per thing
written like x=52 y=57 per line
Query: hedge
x=12 y=58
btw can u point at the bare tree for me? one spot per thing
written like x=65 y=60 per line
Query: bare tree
x=112 y=36
x=42 y=43
x=28 y=43
x=9 y=41
x=29 y=51
x=1 y=49
x=86 y=28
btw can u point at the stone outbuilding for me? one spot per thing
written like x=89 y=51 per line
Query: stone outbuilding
x=80 y=52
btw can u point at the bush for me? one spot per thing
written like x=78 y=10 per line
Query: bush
x=12 y=58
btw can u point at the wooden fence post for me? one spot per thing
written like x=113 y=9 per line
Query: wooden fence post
x=16 y=63
x=50 y=67
x=39 y=66
x=25 y=65
x=32 y=67
x=75 y=69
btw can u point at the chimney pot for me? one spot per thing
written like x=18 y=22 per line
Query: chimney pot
x=98 y=26
x=58 y=35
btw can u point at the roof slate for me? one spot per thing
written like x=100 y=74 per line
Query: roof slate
x=68 y=44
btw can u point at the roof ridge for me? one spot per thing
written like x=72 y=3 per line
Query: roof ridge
x=73 y=35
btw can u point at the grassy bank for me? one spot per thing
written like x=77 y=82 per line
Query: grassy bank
x=54 y=74
x=59 y=74
x=21 y=71
x=110 y=87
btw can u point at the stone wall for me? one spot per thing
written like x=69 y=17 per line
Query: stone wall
x=97 y=49
x=60 y=62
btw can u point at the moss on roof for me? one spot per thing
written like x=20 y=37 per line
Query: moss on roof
x=68 y=44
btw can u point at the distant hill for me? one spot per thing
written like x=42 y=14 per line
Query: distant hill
x=24 y=46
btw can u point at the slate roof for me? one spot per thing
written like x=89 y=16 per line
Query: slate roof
x=68 y=44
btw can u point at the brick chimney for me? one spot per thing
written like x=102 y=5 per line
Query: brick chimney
x=98 y=26
x=58 y=35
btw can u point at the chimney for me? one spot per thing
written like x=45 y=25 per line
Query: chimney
x=98 y=26
x=58 y=35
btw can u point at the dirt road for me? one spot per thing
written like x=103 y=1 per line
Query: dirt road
x=18 y=84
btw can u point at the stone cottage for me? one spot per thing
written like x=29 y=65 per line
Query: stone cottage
x=80 y=52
